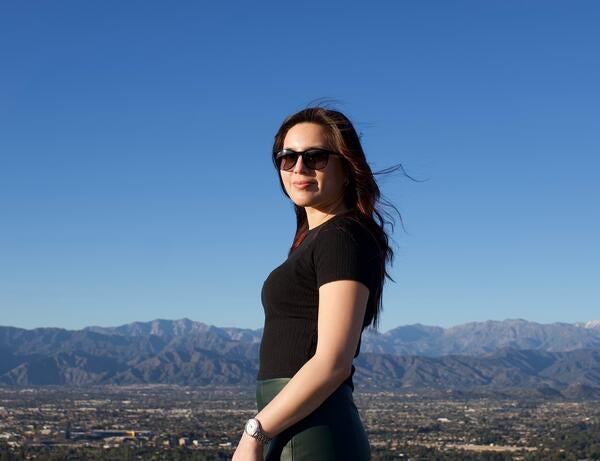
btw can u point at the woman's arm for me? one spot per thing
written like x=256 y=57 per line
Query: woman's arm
x=342 y=306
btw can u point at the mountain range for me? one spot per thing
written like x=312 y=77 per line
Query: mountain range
x=557 y=359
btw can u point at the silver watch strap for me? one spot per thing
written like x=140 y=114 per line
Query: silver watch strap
x=260 y=435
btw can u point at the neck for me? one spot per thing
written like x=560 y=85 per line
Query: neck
x=316 y=216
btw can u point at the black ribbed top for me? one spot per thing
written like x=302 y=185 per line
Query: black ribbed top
x=342 y=248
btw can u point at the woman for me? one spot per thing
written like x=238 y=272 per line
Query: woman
x=318 y=302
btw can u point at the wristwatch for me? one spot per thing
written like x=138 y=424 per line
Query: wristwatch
x=253 y=429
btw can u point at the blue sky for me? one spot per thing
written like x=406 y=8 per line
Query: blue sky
x=135 y=138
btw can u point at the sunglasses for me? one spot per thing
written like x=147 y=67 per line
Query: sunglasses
x=314 y=159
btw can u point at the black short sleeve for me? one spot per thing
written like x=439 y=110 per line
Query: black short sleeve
x=345 y=250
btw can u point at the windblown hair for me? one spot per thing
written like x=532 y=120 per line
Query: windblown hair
x=361 y=195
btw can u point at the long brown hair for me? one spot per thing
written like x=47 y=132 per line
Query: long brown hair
x=362 y=193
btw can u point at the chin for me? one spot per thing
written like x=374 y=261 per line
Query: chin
x=301 y=200
x=301 y=203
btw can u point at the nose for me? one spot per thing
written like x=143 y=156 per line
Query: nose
x=299 y=166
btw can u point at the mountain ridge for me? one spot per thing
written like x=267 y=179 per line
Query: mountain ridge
x=562 y=359
x=471 y=338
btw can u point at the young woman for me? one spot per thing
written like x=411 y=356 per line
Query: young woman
x=318 y=301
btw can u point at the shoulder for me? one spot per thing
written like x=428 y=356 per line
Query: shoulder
x=349 y=235
x=345 y=249
x=348 y=227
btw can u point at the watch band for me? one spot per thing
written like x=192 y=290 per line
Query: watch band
x=258 y=433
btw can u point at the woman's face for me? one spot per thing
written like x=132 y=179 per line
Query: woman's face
x=321 y=189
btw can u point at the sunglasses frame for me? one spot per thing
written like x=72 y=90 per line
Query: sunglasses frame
x=280 y=156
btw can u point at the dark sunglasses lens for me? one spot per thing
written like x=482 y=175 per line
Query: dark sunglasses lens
x=287 y=161
x=316 y=160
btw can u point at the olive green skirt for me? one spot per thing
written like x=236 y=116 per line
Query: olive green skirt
x=333 y=431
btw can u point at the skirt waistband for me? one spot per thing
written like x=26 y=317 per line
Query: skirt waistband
x=273 y=380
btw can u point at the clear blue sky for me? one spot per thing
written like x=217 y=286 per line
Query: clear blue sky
x=135 y=137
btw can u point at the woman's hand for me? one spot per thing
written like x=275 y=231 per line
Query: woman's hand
x=249 y=449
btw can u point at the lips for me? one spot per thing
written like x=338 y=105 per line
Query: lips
x=303 y=184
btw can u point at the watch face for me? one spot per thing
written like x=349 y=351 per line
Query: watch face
x=251 y=426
